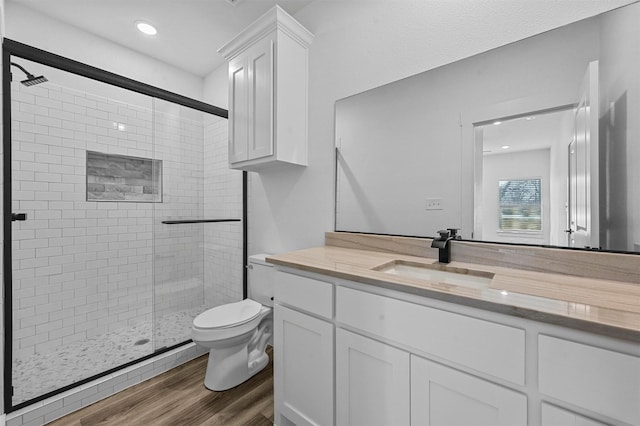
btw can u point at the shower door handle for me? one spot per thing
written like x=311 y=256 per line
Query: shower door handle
x=18 y=216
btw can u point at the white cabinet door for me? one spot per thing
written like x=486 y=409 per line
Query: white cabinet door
x=442 y=396
x=251 y=103
x=372 y=382
x=303 y=368
x=261 y=102
x=238 y=110
x=554 y=416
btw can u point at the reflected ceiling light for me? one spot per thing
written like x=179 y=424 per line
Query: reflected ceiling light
x=504 y=293
x=495 y=123
x=505 y=146
x=146 y=28
x=532 y=117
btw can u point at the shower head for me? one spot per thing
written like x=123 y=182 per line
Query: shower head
x=31 y=80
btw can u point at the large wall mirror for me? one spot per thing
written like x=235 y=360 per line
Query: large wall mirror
x=536 y=142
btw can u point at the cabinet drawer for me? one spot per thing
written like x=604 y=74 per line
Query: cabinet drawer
x=307 y=294
x=484 y=346
x=597 y=379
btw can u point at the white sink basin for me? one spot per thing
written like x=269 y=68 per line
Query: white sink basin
x=438 y=273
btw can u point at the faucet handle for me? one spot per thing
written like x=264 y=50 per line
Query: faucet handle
x=444 y=234
x=454 y=233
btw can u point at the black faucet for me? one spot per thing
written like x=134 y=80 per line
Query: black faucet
x=443 y=245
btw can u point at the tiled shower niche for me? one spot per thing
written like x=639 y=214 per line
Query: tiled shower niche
x=113 y=177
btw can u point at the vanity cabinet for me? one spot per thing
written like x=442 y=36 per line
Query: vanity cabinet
x=372 y=382
x=378 y=384
x=304 y=351
x=403 y=359
x=268 y=80
x=401 y=388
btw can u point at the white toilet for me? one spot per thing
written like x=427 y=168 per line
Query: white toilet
x=237 y=333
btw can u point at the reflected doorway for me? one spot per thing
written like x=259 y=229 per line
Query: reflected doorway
x=522 y=166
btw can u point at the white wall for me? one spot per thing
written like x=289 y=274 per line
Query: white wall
x=359 y=45
x=216 y=89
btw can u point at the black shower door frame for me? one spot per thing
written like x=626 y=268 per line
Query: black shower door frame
x=13 y=48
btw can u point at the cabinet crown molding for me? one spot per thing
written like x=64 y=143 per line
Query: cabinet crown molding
x=275 y=18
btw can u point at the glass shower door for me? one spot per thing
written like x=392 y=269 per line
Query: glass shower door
x=82 y=235
x=198 y=234
x=127 y=224
x=178 y=290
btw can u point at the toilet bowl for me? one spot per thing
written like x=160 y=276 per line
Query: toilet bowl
x=236 y=334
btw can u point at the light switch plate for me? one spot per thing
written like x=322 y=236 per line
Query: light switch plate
x=434 y=204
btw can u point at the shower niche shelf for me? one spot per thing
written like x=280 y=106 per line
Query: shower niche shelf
x=268 y=84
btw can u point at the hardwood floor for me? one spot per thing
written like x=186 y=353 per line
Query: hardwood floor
x=178 y=397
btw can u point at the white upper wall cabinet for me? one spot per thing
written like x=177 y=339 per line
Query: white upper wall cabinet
x=268 y=85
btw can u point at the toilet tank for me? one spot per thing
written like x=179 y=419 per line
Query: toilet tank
x=260 y=284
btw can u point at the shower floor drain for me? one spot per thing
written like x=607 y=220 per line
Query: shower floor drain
x=141 y=342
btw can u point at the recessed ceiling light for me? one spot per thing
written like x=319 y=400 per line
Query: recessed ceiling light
x=505 y=147
x=146 y=28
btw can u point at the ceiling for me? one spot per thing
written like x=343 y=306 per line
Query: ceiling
x=189 y=31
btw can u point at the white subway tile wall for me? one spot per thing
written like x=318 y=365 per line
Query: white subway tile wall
x=178 y=249
x=82 y=269
x=222 y=199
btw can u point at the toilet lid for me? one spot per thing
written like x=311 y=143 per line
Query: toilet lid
x=228 y=315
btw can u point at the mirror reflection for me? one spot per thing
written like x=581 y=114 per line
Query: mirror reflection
x=530 y=143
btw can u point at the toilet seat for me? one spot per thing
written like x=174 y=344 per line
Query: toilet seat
x=229 y=315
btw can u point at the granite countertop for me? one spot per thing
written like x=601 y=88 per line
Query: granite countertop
x=605 y=307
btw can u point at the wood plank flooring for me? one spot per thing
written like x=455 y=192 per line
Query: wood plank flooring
x=178 y=397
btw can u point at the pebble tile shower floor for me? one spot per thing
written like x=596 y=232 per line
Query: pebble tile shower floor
x=46 y=372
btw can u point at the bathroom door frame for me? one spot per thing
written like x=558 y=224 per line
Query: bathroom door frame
x=478 y=159
x=13 y=48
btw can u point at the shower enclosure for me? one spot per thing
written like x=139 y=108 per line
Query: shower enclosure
x=122 y=222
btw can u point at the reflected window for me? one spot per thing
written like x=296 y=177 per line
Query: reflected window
x=520 y=205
